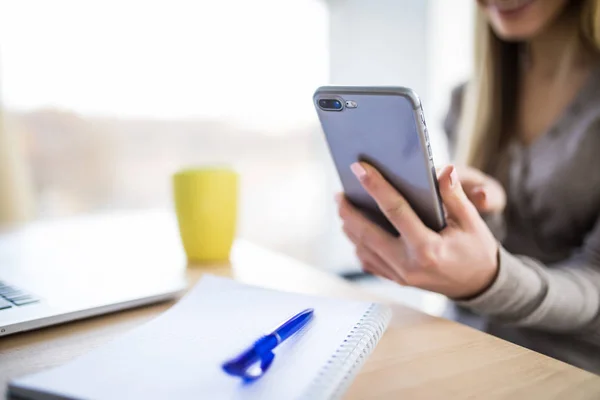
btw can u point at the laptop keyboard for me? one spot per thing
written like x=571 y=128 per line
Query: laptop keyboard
x=11 y=296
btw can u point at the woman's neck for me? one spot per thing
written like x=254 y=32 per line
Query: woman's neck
x=558 y=49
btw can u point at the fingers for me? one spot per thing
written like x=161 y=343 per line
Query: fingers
x=384 y=272
x=364 y=232
x=374 y=264
x=392 y=204
x=470 y=177
x=483 y=191
x=371 y=262
x=479 y=198
x=490 y=198
x=487 y=198
x=458 y=206
x=376 y=248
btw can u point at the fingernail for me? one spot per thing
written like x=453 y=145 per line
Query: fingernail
x=453 y=177
x=358 y=171
x=483 y=205
x=338 y=198
x=482 y=195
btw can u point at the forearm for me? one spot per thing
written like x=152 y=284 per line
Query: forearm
x=560 y=299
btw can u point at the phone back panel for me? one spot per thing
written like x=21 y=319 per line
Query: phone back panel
x=384 y=130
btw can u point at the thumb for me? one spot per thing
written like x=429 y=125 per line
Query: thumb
x=458 y=206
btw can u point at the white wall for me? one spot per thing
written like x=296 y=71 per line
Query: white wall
x=421 y=44
x=378 y=42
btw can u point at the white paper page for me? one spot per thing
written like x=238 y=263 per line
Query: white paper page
x=179 y=354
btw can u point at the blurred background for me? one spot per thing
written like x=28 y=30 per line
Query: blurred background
x=102 y=101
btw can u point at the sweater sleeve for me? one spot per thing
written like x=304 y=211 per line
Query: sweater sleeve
x=562 y=298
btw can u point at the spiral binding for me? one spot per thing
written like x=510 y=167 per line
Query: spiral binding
x=335 y=377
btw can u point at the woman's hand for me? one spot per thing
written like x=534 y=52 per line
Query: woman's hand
x=460 y=261
x=485 y=192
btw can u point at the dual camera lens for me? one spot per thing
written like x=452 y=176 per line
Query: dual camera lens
x=330 y=104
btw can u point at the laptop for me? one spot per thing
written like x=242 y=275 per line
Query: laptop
x=61 y=271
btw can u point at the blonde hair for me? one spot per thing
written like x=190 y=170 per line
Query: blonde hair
x=490 y=95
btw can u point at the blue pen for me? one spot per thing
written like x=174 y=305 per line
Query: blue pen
x=243 y=366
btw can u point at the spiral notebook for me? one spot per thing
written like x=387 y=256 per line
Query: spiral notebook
x=179 y=354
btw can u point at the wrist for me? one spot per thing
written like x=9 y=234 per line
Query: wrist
x=486 y=281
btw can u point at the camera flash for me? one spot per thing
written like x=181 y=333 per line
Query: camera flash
x=351 y=104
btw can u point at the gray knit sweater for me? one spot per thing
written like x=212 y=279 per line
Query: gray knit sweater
x=547 y=293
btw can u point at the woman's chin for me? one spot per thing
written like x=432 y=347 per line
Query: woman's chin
x=514 y=31
x=522 y=20
x=515 y=34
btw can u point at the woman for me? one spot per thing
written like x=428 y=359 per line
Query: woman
x=522 y=246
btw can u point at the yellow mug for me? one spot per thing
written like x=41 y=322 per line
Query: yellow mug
x=206 y=206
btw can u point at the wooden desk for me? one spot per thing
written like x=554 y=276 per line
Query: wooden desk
x=420 y=356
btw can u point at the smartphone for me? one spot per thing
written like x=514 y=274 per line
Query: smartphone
x=385 y=127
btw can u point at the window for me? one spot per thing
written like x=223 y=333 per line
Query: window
x=109 y=98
